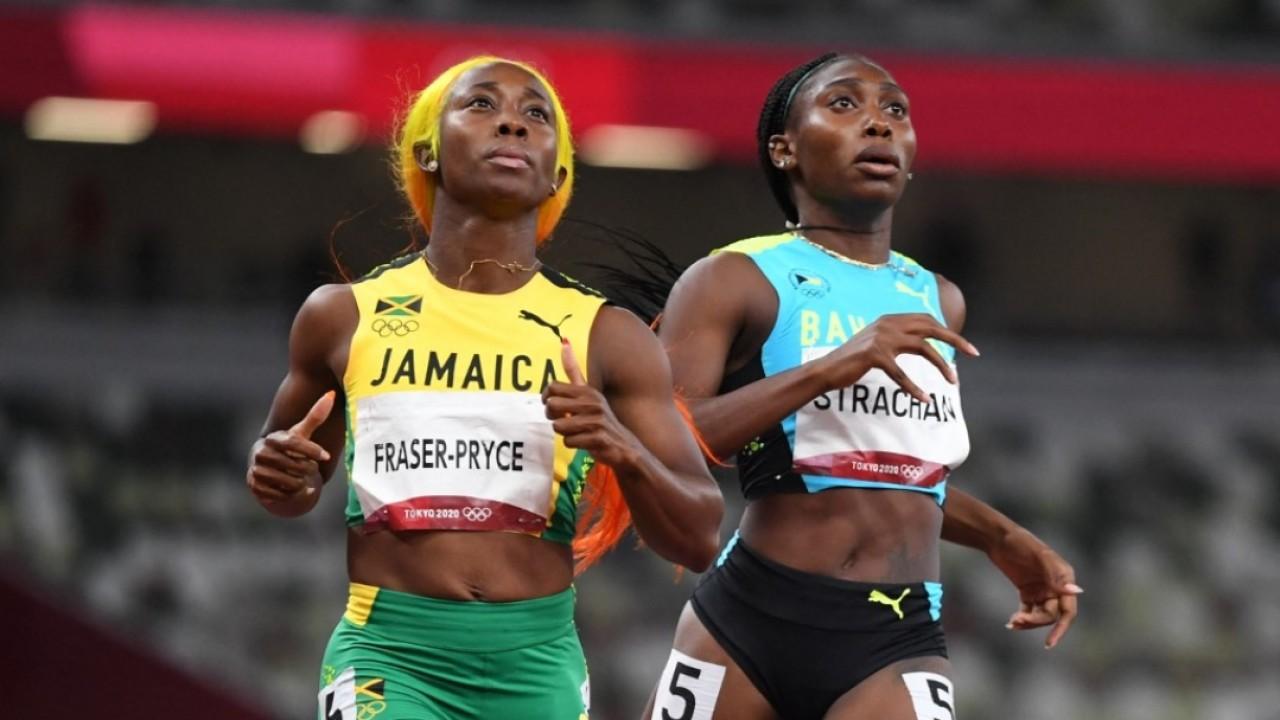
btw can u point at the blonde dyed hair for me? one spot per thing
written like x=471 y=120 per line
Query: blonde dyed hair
x=421 y=126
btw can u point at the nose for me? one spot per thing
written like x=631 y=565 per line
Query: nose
x=877 y=127
x=511 y=125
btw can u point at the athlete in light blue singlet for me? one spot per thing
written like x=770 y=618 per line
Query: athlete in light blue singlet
x=873 y=434
x=826 y=362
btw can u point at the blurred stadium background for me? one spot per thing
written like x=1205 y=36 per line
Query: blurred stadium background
x=1101 y=178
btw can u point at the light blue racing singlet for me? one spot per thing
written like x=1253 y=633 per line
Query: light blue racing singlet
x=872 y=434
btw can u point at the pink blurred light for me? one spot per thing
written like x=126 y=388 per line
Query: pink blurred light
x=267 y=73
x=208 y=68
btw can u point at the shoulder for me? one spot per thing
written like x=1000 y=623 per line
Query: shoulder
x=389 y=267
x=330 y=297
x=730 y=270
x=725 y=290
x=721 y=267
x=327 y=312
x=565 y=282
x=326 y=318
x=619 y=327
x=755 y=245
x=951 y=300
x=624 y=350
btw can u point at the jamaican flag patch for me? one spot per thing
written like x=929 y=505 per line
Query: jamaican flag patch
x=399 y=305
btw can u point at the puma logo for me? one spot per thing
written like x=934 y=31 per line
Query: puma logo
x=895 y=605
x=922 y=294
x=555 y=328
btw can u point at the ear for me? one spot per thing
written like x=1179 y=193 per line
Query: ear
x=422 y=153
x=781 y=154
x=561 y=175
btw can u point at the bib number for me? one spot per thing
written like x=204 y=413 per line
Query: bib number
x=688 y=689
x=932 y=695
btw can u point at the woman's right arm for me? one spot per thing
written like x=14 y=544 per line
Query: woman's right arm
x=303 y=438
x=718 y=316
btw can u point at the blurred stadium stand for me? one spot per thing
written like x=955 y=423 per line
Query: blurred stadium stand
x=1126 y=407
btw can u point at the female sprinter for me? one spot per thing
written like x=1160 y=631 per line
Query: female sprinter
x=826 y=360
x=468 y=428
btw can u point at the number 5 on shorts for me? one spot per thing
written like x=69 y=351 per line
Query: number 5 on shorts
x=687 y=689
x=932 y=695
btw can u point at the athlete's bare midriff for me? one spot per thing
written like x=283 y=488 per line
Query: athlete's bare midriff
x=849 y=533
x=458 y=565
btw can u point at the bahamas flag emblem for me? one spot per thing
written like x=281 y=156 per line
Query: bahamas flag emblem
x=809 y=284
x=399 y=305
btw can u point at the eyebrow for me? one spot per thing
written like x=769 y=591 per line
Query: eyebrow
x=886 y=85
x=528 y=90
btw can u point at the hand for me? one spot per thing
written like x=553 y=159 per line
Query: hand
x=1046 y=584
x=879 y=344
x=581 y=415
x=286 y=463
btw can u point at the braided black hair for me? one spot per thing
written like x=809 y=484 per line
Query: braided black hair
x=641 y=279
x=773 y=121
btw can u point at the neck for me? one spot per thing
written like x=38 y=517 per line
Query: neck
x=861 y=233
x=469 y=251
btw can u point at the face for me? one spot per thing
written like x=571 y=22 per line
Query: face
x=498 y=140
x=848 y=137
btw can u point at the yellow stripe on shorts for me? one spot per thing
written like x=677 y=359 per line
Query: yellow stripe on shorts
x=360 y=603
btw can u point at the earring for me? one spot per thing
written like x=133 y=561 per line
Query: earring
x=431 y=166
x=554 y=189
x=910 y=175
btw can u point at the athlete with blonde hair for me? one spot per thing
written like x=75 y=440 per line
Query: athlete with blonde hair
x=478 y=396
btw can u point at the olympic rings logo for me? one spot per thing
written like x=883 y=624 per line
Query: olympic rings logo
x=912 y=472
x=370 y=710
x=477 y=514
x=394 y=326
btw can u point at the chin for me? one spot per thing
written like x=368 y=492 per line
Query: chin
x=513 y=190
x=874 y=193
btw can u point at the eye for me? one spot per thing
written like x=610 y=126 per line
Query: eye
x=480 y=101
x=540 y=113
x=843 y=102
x=897 y=109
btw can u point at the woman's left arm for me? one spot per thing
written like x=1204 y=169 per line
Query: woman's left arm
x=1046 y=582
x=626 y=418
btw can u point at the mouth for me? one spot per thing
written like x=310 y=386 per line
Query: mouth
x=878 y=161
x=509 y=158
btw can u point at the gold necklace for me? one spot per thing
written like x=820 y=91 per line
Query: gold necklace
x=845 y=259
x=511 y=267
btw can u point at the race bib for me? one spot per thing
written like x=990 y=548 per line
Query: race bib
x=454 y=461
x=338 y=698
x=876 y=431
x=688 y=689
x=932 y=695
